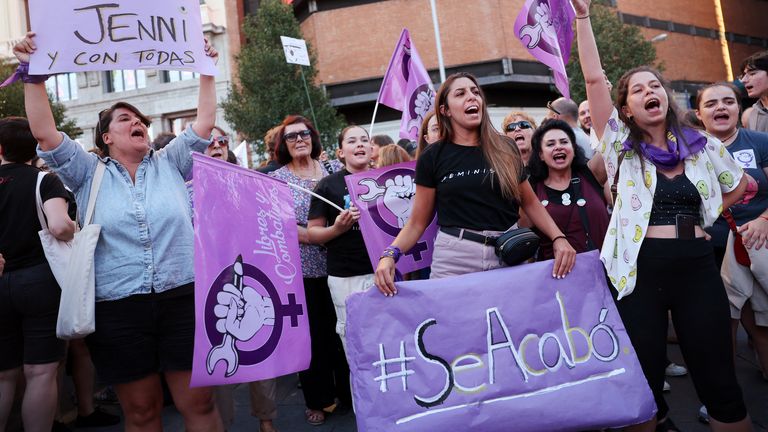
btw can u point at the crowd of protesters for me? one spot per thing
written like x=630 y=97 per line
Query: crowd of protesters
x=668 y=207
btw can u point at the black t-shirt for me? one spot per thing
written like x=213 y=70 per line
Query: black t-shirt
x=468 y=192
x=19 y=241
x=347 y=255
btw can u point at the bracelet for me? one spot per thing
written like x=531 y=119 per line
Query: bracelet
x=558 y=237
x=393 y=252
x=22 y=73
x=583 y=17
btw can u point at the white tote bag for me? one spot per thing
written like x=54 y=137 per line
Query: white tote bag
x=77 y=279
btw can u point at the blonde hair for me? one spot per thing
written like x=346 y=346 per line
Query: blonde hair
x=391 y=154
x=499 y=150
x=511 y=118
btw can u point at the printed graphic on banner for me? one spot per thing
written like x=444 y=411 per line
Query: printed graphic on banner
x=137 y=34
x=545 y=28
x=385 y=198
x=295 y=51
x=407 y=87
x=250 y=311
x=490 y=349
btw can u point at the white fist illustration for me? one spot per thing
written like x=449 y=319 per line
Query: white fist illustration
x=398 y=197
x=242 y=315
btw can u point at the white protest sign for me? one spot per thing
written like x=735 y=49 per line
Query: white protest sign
x=295 y=51
x=93 y=35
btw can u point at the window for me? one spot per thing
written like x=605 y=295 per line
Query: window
x=179 y=122
x=124 y=80
x=63 y=87
x=174 y=76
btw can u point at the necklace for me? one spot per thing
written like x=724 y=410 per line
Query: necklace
x=303 y=175
x=731 y=136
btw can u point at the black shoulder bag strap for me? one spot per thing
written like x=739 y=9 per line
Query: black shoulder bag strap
x=328 y=167
x=576 y=186
x=614 y=186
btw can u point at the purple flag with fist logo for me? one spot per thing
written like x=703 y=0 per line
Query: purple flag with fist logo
x=385 y=198
x=250 y=313
x=503 y=350
x=545 y=28
x=407 y=87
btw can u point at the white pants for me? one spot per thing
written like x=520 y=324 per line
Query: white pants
x=341 y=288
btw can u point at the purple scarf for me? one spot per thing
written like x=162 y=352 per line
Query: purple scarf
x=669 y=159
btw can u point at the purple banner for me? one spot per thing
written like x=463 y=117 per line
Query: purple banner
x=385 y=199
x=508 y=349
x=545 y=28
x=250 y=312
x=407 y=87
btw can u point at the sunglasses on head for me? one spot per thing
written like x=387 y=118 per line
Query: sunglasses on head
x=522 y=124
x=293 y=136
x=551 y=108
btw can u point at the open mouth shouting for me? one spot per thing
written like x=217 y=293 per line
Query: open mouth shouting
x=472 y=111
x=653 y=106
x=721 y=117
x=139 y=132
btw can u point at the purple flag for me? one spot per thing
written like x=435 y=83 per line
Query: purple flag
x=407 y=87
x=250 y=313
x=502 y=350
x=545 y=28
x=385 y=198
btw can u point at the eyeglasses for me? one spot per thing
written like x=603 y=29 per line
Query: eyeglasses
x=293 y=136
x=551 y=108
x=98 y=122
x=522 y=124
x=223 y=141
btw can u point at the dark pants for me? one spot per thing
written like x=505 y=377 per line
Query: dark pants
x=681 y=276
x=328 y=373
x=29 y=307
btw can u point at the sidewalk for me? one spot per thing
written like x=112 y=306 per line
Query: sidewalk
x=682 y=400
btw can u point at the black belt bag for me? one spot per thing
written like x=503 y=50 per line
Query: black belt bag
x=512 y=247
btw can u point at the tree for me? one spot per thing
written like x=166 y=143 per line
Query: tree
x=12 y=103
x=622 y=47
x=269 y=88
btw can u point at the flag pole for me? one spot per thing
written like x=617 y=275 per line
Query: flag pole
x=373 y=119
x=436 y=25
x=306 y=89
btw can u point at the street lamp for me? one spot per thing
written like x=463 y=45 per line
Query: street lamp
x=659 y=38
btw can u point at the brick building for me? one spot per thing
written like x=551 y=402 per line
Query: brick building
x=354 y=41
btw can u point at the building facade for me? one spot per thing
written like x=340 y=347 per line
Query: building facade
x=354 y=41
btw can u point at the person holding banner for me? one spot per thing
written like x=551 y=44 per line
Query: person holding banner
x=144 y=277
x=569 y=186
x=669 y=179
x=349 y=268
x=476 y=180
x=298 y=149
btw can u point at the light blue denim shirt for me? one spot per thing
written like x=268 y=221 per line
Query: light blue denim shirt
x=146 y=243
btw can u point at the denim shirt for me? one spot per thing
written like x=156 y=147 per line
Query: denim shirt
x=146 y=243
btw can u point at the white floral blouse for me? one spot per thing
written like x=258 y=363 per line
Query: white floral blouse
x=712 y=170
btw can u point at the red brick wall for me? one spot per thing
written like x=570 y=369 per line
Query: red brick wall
x=355 y=43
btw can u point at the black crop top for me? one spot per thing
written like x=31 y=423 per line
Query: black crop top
x=673 y=197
